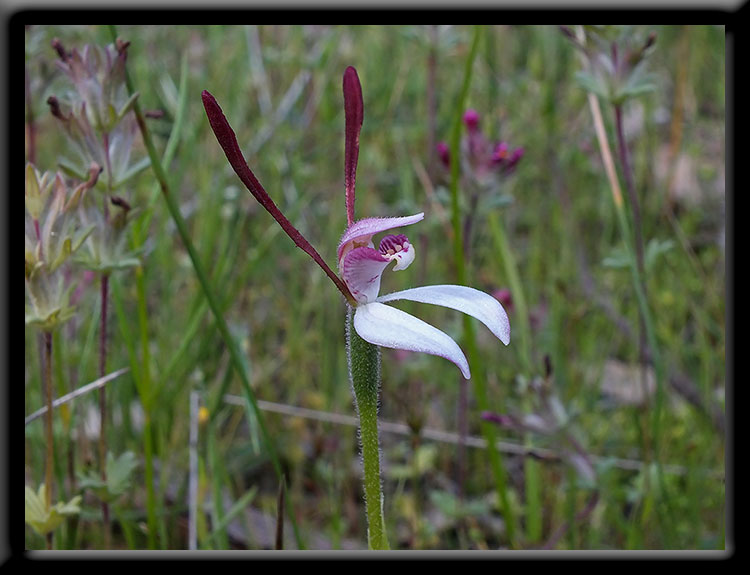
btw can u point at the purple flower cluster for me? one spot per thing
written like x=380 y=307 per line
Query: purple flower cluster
x=482 y=159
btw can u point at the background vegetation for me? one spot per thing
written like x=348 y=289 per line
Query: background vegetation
x=280 y=87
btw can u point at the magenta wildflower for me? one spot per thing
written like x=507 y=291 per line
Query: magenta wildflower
x=481 y=159
x=445 y=154
x=504 y=296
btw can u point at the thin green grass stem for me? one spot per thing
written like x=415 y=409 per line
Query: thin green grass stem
x=523 y=330
x=213 y=301
x=364 y=376
x=142 y=378
x=477 y=369
x=219 y=534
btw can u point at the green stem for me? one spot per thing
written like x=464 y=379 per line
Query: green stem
x=523 y=329
x=531 y=467
x=146 y=389
x=638 y=285
x=213 y=301
x=364 y=376
x=480 y=388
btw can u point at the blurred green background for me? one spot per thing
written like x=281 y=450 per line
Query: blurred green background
x=280 y=87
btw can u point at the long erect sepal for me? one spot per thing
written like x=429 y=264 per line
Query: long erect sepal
x=354 y=115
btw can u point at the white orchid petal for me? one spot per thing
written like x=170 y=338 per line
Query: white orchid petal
x=468 y=300
x=387 y=326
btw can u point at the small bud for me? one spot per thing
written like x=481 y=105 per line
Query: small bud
x=444 y=153
x=122 y=47
x=471 y=119
x=54 y=106
x=547 y=366
x=120 y=203
x=94 y=172
x=57 y=45
x=515 y=157
x=567 y=32
x=638 y=55
x=504 y=297
x=497 y=418
x=154 y=114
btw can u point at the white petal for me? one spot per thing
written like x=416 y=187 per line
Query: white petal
x=390 y=327
x=468 y=300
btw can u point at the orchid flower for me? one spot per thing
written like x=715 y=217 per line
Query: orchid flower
x=361 y=267
x=370 y=322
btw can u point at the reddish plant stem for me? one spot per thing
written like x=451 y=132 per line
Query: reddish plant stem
x=103 y=403
x=630 y=186
x=47 y=351
x=639 y=256
x=628 y=175
x=31 y=128
x=47 y=354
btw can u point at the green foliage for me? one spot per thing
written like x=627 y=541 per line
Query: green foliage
x=288 y=322
x=44 y=520
x=118 y=481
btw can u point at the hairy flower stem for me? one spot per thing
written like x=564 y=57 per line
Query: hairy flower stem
x=364 y=376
